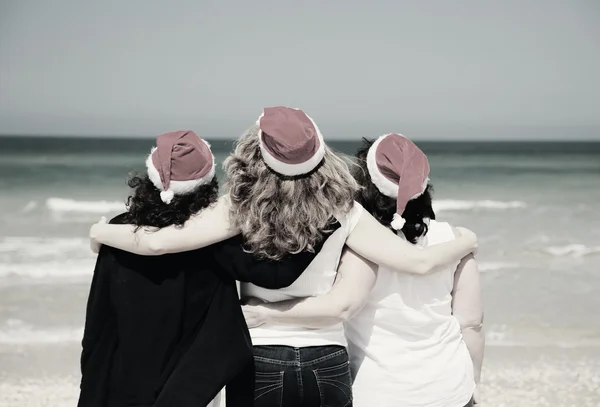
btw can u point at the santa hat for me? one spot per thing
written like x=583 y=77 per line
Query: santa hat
x=399 y=169
x=290 y=141
x=180 y=163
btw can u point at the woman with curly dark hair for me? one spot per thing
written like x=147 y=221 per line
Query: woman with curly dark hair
x=168 y=330
x=419 y=340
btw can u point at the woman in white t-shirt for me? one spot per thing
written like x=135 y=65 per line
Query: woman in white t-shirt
x=413 y=340
x=287 y=191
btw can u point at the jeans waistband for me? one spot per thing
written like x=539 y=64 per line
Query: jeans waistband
x=290 y=356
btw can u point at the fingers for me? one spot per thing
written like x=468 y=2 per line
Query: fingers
x=252 y=316
x=467 y=233
x=94 y=244
x=95 y=247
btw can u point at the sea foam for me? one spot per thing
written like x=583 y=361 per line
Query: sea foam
x=496 y=266
x=36 y=247
x=45 y=259
x=48 y=271
x=55 y=204
x=466 y=205
x=572 y=250
x=70 y=205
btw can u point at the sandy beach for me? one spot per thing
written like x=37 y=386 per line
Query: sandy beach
x=46 y=376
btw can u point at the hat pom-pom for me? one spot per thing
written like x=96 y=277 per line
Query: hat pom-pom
x=398 y=222
x=167 y=196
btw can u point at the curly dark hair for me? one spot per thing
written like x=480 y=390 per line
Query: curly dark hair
x=383 y=207
x=145 y=208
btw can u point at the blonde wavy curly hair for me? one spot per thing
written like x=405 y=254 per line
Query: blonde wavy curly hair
x=278 y=215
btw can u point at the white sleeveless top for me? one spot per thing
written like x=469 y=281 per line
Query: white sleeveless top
x=317 y=279
x=406 y=348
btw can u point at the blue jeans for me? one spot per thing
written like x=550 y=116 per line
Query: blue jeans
x=315 y=376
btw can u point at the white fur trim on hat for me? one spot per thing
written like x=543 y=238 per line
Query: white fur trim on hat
x=384 y=185
x=177 y=187
x=291 y=170
x=167 y=196
x=398 y=222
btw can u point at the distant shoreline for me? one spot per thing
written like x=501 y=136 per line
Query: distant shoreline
x=135 y=145
x=354 y=132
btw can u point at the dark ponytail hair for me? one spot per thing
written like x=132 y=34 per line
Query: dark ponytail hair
x=383 y=207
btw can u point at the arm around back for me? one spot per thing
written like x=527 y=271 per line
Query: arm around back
x=247 y=267
x=380 y=245
x=209 y=226
x=356 y=277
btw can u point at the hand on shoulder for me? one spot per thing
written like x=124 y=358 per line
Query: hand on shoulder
x=463 y=232
x=94 y=244
x=253 y=312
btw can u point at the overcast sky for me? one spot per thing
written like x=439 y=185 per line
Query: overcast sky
x=430 y=69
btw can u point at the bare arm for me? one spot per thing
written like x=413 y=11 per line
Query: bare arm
x=356 y=277
x=467 y=307
x=203 y=229
x=381 y=246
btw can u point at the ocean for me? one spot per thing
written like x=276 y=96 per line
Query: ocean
x=534 y=206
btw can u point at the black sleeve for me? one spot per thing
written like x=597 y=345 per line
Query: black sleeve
x=242 y=266
x=99 y=309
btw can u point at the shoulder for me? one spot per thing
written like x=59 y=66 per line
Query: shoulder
x=119 y=219
x=106 y=256
x=108 y=251
x=234 y=246
x=351 y=217
x=356 y=208
x=441 y=231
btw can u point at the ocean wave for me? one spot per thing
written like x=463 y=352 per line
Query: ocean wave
x=572 y=250
x=464 y=205
x=37 y=247
x=16 y=332
x=45 y=258
x=70 y=205
x=495 y=266
x=49 y=270
x=31 y=205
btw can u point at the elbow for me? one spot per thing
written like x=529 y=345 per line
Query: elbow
x=473 y=322
x=155 y=248
x=343 y=312
x=423 y=266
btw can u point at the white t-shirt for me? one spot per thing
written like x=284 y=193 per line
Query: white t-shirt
x=406 y=349
x=317 y=279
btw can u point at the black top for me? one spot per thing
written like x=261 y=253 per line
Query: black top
x=168 y=330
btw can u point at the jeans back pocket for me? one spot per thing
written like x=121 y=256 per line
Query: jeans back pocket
x=335 y=385
x=268 y=388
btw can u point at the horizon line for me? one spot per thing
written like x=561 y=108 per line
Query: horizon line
x=434 y=140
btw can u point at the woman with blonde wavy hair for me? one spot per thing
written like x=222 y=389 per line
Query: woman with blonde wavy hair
x=413 y=340
x=288 y=191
